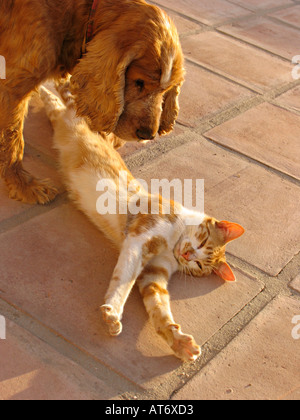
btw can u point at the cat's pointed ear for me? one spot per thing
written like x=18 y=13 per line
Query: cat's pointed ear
x=225 y=272
x=230 y=230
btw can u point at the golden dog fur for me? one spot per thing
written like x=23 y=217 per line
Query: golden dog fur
x=127 y=82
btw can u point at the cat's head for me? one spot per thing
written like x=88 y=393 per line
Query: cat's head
x=201 y=249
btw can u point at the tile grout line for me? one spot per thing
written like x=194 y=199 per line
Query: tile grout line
x=270 y=53
x=241 y=41
x=274 y=19
x=223 y=75
x=46 y=159
x=251 y=15
x=285 y=107
x=226 y=334
x=196 y=20
x=257 y=162
x=263 y=12
x=244 y=317
x=34 y=211
x=272 y=288
x=138 y=158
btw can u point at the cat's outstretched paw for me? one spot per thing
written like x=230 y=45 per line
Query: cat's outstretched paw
x=112 y=320
x=184 y=346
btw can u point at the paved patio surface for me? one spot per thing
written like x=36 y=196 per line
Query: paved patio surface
x=239 y=129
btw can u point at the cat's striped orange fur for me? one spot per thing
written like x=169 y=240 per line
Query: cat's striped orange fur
x=152 y=246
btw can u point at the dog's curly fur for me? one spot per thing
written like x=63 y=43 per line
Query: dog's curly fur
x=127 y=82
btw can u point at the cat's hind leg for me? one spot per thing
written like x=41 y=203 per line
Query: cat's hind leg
x=135 y=254
x=152 y=284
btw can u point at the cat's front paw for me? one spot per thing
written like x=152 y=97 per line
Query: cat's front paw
x=184 y=346
x=111 y=319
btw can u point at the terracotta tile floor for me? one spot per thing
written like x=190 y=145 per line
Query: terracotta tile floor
x=238 y=129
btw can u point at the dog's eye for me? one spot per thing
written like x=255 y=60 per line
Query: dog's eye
x=140 y=84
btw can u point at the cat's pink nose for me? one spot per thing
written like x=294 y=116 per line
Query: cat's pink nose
x=186 y=256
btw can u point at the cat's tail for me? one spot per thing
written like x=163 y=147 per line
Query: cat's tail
x=53 y=105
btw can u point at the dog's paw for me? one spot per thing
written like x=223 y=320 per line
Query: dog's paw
x=32 y=191
x=184 y=346
x=111 y=319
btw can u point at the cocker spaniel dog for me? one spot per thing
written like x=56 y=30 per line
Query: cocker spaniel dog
x=126 y=64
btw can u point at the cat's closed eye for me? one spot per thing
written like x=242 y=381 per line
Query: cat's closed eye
x=203 y=243
x=200 y=265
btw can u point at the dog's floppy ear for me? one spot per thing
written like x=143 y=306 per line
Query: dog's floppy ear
x=170 y=110
x=98 y=81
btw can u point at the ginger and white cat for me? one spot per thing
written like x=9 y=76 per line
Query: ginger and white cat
x=152 y=246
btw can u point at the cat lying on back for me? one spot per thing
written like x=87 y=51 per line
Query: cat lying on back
x=152 y=246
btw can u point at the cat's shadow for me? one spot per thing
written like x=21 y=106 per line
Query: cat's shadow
x=186 y=293
x=145 y=350
x=183 y=287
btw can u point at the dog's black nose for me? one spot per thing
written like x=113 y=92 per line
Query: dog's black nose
x=145 y=134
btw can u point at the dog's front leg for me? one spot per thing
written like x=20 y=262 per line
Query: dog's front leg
x=21 y=185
